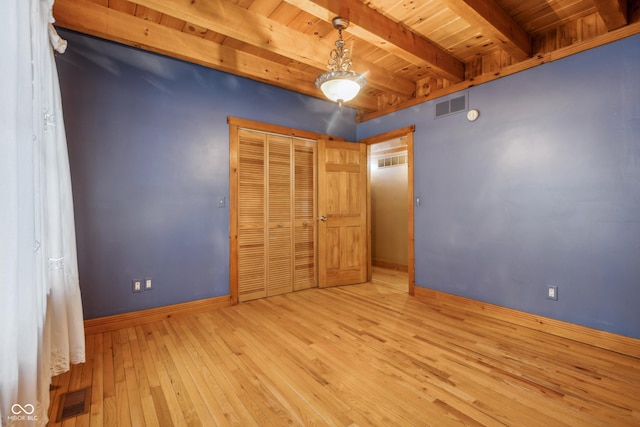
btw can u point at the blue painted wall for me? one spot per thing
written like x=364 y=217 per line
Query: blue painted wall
x=543 y=189
x=148 y=145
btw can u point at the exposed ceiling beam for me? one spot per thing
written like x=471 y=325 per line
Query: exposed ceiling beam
x=230 y=20
x=614 y=13
x=496 y=24
x=100 y=21
x=370 y=25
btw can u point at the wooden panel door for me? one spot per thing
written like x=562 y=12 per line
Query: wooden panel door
x=342 y=197
x=252 y=264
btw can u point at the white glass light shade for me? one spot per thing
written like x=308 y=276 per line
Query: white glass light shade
x=340 y=86
x=340 y=89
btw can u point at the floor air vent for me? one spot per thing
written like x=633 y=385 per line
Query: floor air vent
x=451 y=106
x=73 y=403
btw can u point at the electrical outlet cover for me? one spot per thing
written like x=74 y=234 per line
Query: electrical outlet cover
x=147 y=284
x=552 y=292
x=136 y=286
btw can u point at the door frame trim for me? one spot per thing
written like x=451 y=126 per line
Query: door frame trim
x=407 y=132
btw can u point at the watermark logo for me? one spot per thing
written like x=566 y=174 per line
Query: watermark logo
x=23 y=412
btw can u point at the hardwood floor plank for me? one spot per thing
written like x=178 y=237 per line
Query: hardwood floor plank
x=170 y=396
x=110 y=416
x=135 y=388
x=163 y=412
x=212 y=354
x=358 y=355
x=300 y=373
x=97 y=383
x=219 y=410
x=140 y=371
x=122 y=408
x=192 y=379
x=291 y=394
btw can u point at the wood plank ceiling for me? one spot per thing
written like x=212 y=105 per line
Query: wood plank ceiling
x=410 y=50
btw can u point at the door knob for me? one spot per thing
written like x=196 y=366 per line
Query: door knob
x=323 y=218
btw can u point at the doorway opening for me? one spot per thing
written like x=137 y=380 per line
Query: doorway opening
x=390 y=208
x=388 y=188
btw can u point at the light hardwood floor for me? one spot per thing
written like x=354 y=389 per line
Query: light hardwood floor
x=366 y=354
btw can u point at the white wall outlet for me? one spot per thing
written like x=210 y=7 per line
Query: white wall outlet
x=552 y=292
x=136 y=285
x=147 y=284
x=221 y=202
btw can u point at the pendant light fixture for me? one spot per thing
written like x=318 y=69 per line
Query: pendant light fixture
x=339 y=84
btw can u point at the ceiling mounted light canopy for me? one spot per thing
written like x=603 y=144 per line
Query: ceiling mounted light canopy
x=339 y=84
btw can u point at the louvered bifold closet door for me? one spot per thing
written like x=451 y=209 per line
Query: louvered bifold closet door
x=280 y=222
x=252 y=148
x=305 y=269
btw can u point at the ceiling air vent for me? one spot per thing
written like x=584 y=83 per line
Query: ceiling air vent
x=451 y=106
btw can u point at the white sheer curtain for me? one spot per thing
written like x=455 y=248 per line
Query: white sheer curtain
x=41 y=329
